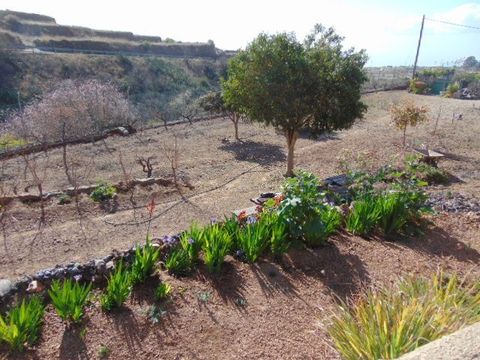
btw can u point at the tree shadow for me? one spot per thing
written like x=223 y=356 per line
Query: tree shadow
x=305 y=134
x=272 y=281
x=127 y=326
x=440 y=243
x=73 y=346
x=256 y=152
x=230 y=285
x=343 y=273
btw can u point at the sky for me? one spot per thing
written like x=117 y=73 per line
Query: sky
x=387 y=29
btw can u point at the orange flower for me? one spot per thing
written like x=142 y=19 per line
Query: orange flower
x=279 y=199
x=242 y=215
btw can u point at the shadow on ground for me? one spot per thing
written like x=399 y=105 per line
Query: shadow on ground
x=256 y=152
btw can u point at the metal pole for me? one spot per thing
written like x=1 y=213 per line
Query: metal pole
x=418 y=48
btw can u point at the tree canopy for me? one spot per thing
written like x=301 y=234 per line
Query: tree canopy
x=312 y=85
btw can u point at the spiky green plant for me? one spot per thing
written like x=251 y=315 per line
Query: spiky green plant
x=363 y=216
x=119 y=287
x=22 y=324
x=69 y=299
x=191 y=241
x=389 y=322
x=217 y=243
x=278 y=234
x=178 y=261
x=163 y=291
x=144 y=262
x=394 y=213
x=253 y=239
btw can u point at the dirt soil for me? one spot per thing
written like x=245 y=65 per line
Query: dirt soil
x=262 y=311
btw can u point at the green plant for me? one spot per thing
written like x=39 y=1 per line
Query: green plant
x=389 y=322
x=363 y=216
x=103 y=191
x=119 y=287
x=415 y=168
x=103 y=352
x=253 y=239
x=144 y=262
x=22 y=324
x=178 y=261
x=279 y=241
x=394 y=214
x=64 y=199
x=204 y=296
x=452 y=88
x=163 y=291
x=154 y=313
x=217 y=242
x=8 y=141
x=191 y=241
x=330 y=220
x=69 y=299
x=407 y=114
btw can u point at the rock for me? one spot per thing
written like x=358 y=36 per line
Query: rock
x=100 y=266
x=5 y=287
x=110 y=266
x=35 y=287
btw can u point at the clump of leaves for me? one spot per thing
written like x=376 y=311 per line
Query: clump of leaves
x=417 y=169
x=64 y=199
x=69 y=299
x=204 y=296
x=278 y=236
x=144 y=263
x=389 y=322
x=103 y=191
x=155 y=313
x=103 y=352
x=407 y=114
x=22 y=324
x=163 y=291
x=217 y=242
x=191 y=241
x=253 y=238
x=178 y=261
x=364 y=216
x=119 y=287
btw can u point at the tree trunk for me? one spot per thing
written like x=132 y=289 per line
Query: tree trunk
x=292 y=137
x=235 y=119
x=404 y=135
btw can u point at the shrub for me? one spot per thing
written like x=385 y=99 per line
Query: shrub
x=8 y=141
x=178 y=261
x=22 y=324
x=407 y=114
x=103 y=191
x=389 y=322
x=163 y=291
x=119 y=287
x=72 y=111
x=452 y=88
x=144 y=262
x=364 y=215
x=69 y=299
x=253 y=239
x=217 y=242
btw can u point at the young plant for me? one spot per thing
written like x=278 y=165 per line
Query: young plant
x=407 y=114
x=144 y=263
x=119 y=287
x=394 y=215
x=191 y=241
x=178 y=261
x=389 y=322
x=103 y=191
x=279 y=241
x=216 y=245
x=22 y=324
x=69 y=299
x=363 y=216
x=163 y=291
x=253 y=239
x=318 y=229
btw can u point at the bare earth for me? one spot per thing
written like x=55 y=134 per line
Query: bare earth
x=266 y=310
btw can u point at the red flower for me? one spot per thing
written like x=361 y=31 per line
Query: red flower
x=151 y=207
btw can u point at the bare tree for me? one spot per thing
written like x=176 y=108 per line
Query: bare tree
x=146 y=164
x=171 y=153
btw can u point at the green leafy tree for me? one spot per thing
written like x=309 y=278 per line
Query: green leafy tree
x=214 y=103
x=293 y=86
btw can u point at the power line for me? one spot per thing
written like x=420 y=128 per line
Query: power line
x=454 y=24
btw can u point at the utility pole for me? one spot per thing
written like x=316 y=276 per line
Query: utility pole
x=418 y=48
